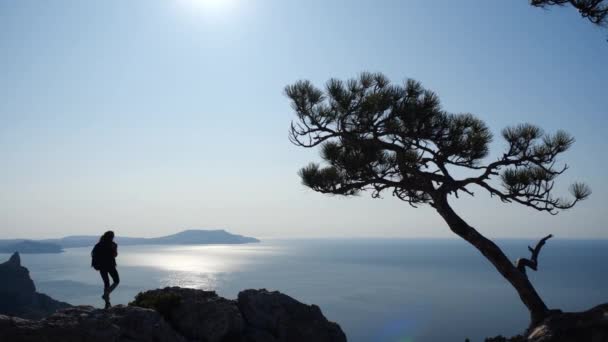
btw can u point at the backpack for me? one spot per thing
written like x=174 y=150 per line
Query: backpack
x=95 y=258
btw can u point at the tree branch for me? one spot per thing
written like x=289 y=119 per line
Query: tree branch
x=596 y=11
x=532 y=263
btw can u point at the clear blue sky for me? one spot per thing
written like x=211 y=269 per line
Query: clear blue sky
x=151 y=116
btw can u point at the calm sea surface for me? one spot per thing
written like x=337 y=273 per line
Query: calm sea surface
x=377 y=290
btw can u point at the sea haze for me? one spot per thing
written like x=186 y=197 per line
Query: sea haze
x=377 y=290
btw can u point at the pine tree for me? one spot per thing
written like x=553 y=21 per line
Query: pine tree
x=384 y=138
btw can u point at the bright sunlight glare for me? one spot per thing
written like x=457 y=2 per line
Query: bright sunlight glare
x=211 y=5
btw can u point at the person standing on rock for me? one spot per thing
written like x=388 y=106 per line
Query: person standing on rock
x=104 y=260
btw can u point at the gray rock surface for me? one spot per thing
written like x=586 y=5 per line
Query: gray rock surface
x=285 y=318
x=18 y=296
x=85 y=323
x=196 y=314
x=586 y=326
x=591 y=325
x=257 y=316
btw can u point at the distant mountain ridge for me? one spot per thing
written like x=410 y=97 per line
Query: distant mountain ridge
x=186 y=237
x=28 y=246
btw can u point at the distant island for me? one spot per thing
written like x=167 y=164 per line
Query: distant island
x=186 y=237
x=28 y=247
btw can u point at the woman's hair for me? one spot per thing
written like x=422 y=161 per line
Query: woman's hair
x=107 y=237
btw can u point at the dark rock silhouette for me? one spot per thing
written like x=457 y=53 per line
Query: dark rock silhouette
x=257 y=315
x=590 y=325
x=177 y=314
x=163 y=315
x=285 y=319
x=85 y=323
x=18 y=296
x=196 y=314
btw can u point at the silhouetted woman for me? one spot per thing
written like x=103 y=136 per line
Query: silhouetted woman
x=104 y=260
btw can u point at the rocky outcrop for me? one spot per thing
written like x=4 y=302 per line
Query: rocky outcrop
x=587 y=326
x=163 y=315
x=257 y=316
x=85 y=323
x=177 y=314
x=18 y=296
x=591 y=325
x=273 y=316
x=198 y=315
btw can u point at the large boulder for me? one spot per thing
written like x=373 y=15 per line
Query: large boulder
x=85 y=323
x=586 y=326
x=273 y=316
x=196 y=314
x=18 y=296
x=591 y=325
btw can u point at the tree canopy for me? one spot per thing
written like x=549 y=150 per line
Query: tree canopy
x=379 y=136
x=596 y=11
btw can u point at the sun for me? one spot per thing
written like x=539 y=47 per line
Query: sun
x=211 y=5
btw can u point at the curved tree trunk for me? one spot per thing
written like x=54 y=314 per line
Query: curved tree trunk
x=521 y=283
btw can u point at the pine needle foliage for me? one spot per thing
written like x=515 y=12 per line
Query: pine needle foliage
x=381 y=137
x=596 y=11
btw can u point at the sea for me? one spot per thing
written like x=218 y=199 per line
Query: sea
x=399 y=290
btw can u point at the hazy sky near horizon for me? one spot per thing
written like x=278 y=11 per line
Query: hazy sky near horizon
x=152 y=116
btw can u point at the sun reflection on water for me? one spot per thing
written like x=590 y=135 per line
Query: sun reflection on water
x=198 y=267
x=202 y=281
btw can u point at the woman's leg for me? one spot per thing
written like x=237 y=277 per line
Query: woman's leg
x=106 y=284
x=106 y=280
x=115 y=279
